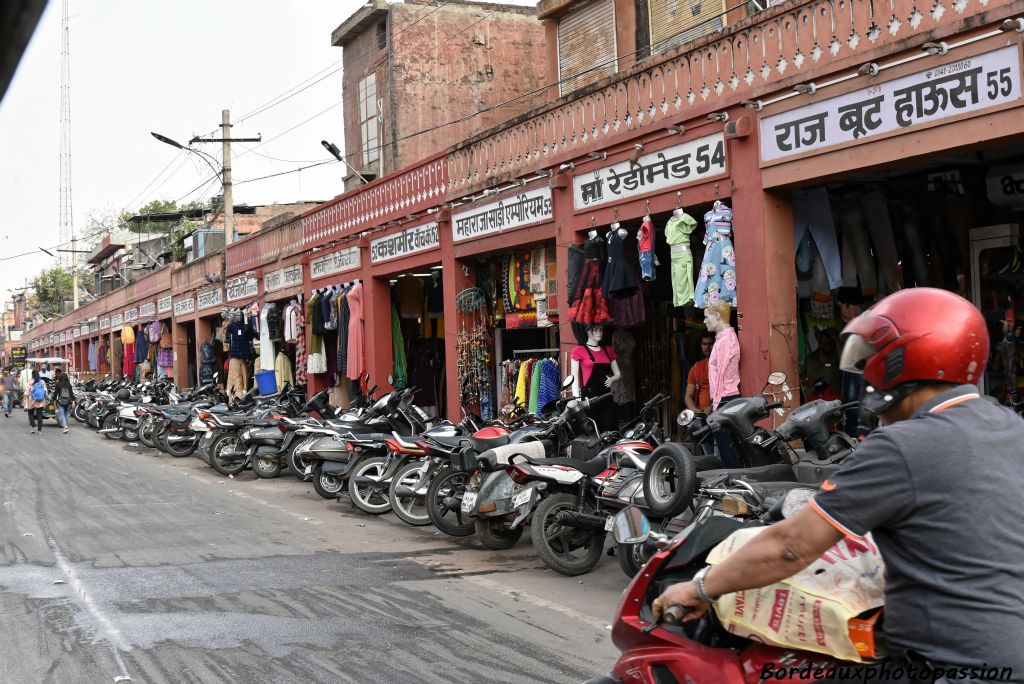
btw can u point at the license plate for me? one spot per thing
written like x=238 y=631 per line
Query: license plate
x=468 y=501
x=609 y=523
x=522 y=498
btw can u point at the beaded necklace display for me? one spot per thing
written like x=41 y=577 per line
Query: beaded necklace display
x=474 y=355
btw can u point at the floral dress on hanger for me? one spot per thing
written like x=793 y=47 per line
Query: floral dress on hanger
x=717 y=280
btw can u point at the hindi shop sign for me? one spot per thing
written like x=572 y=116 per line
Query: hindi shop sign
x=147 y=310
x=961 y=87
x=104 y=324
x=244 y=286
x=184 y=307
x=336 y=262
x=163 y=305
x=116 y=320
x=404 y=243
x=678 y=165
x=509 y=213
x=282 y=278
x=210 y=298
x=131 y=315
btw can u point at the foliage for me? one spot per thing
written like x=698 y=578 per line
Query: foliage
x=51 y=289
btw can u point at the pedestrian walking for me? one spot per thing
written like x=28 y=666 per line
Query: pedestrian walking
x=65 y=394
x=34 y=400
x=11 y=385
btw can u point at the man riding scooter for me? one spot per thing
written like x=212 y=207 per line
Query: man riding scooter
x=931 y=485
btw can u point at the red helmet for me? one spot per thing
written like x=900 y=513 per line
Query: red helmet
x=916 y=335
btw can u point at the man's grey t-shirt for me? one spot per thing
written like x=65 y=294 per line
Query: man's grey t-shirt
x=941 y=494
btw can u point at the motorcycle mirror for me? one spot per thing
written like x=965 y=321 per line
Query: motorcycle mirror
x=776 y=378
x=568 y=382
x=685 y=417
x=630 y=526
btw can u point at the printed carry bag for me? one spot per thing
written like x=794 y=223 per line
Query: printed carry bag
x=811 y=610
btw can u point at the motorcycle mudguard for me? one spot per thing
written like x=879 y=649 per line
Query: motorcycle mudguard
x=264 y=450
x=526 y=508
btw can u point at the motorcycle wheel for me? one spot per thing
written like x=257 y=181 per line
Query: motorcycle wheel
x=632 y=557
x=566 y=550
x=220 y=459
x=327 y=485
x=183 y=448
x=670 y=480
x=297 y=464
x=410 y=509
x=493 y=533
x=130 y=435
x=109 y=423
x=92 y=418
x=372 y=499
x=267 y=467
x=78 y=413
x=146 y=435
x=449 y=484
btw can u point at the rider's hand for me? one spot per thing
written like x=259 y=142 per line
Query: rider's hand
x=683 y=594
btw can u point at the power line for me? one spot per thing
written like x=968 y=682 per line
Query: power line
x=284 y=173
x=175 y=158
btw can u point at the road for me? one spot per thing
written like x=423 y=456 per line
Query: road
x=119 y=562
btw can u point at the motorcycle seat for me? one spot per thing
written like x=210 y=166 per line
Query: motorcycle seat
x=775 y=472
x=478 y=444
x=594 y=466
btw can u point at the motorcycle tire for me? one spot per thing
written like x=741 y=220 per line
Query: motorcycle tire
x=297 y=464
x=632 y=557
x=109 y=423
x=409 y=509
x=566 y=550
x=146 y=435
x=267 y=467
x=130 y=435
x=182 y=449
x=449 y=484
x=670 y=480
x=495 y=535
x=372 y=499
x=221 y=462
x=78 y=413
x=327 y=485
x=161 y=442
x=92 y=418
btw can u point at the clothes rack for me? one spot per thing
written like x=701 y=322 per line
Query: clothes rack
x=553 y=351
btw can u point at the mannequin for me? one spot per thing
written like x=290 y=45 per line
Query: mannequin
x=592 y=234
x=723 y=372
x=598 y=363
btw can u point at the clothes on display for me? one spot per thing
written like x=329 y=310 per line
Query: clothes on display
x=588 y=304
x=645 y=243
x=595 y=368
x=128 y=352
x=401 y=371
x=267 y=356
x=717 y=279
x=283 y=370
x=316 y=361
x=474 y=355
x=677 y=235
x=620 y=280
x=356 y=362
x=724 y=366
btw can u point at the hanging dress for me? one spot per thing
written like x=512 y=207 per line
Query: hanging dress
x=620 y=281
x=589 y=305
x=717 y=280
x=677 y=235
x=356 y=353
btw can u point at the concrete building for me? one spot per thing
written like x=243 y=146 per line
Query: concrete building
x=412 y=69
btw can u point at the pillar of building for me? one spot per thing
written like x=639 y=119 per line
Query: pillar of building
x=377 y=331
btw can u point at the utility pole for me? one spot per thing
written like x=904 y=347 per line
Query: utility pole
x=229 y=205
x=225 y=174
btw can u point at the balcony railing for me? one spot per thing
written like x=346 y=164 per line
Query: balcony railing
x=193 y=275
x=769 y=51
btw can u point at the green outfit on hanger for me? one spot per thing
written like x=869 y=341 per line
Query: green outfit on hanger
x=398 y=350
x=677 y=235
x=534 y=385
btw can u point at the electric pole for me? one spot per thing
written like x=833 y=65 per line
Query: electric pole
x=225 y=176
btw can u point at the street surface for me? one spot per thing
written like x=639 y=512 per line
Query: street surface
x=119 y=562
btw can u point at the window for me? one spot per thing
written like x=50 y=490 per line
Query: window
x=382 y=34
x=368 y=133
x=586 y=45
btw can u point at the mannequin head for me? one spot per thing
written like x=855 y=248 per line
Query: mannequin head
x=595 y=333
x=716 y=316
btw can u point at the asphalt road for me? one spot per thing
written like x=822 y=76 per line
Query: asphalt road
x=121 y=563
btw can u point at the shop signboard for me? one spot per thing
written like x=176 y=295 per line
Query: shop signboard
x=94 y=326
x=1005 y=185
x=289 y=276
x=163 y=305
x=244 y=286
x=406 y=242
x=105 y=323
x=210 y=298
x=340 y=261
x=147 y=310
x=131 y=315
x=184 y=307
x=83 y=331
x=116 y=321
x=508 y=213
x=672 y=167
x=958 y=87
x=18 y=355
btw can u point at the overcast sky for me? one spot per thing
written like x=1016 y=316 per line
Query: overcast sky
x=151 y=65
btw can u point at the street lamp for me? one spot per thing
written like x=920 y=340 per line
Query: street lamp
x=333 y=149
x=46 y=251
x=206 y=157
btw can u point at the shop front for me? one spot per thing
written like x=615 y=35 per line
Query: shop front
x=208 y=350
x=911 y=177
x=320 y=328
x=183 y=337
x=277 y=331
x=197 y=295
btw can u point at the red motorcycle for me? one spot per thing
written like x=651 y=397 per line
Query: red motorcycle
x=697 y=652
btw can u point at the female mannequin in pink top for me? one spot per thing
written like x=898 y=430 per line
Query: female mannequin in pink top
x=723 y=371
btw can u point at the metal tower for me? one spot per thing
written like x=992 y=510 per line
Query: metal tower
x=67 y=229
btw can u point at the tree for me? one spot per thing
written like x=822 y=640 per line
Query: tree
x=51 y=289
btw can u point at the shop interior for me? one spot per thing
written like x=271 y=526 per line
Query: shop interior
x=946 y=222
x=191 y=366
x=279 y=336
x=146 y=349
x=417 y=337
x=336 y=342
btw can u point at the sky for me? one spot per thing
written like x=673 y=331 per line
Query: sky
x=171 y=67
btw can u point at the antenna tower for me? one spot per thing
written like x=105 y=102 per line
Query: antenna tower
x=67 y=229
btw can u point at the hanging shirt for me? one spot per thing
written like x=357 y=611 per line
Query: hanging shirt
x=239 y=340
x=291 y=323
x=266 y=346
x=283 y=370
x=356 y=352
x=141 y=347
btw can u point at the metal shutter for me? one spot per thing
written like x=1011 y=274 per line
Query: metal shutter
x=586 y=45
x=678 y=21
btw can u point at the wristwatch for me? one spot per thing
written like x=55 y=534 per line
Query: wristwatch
x=698 y=581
